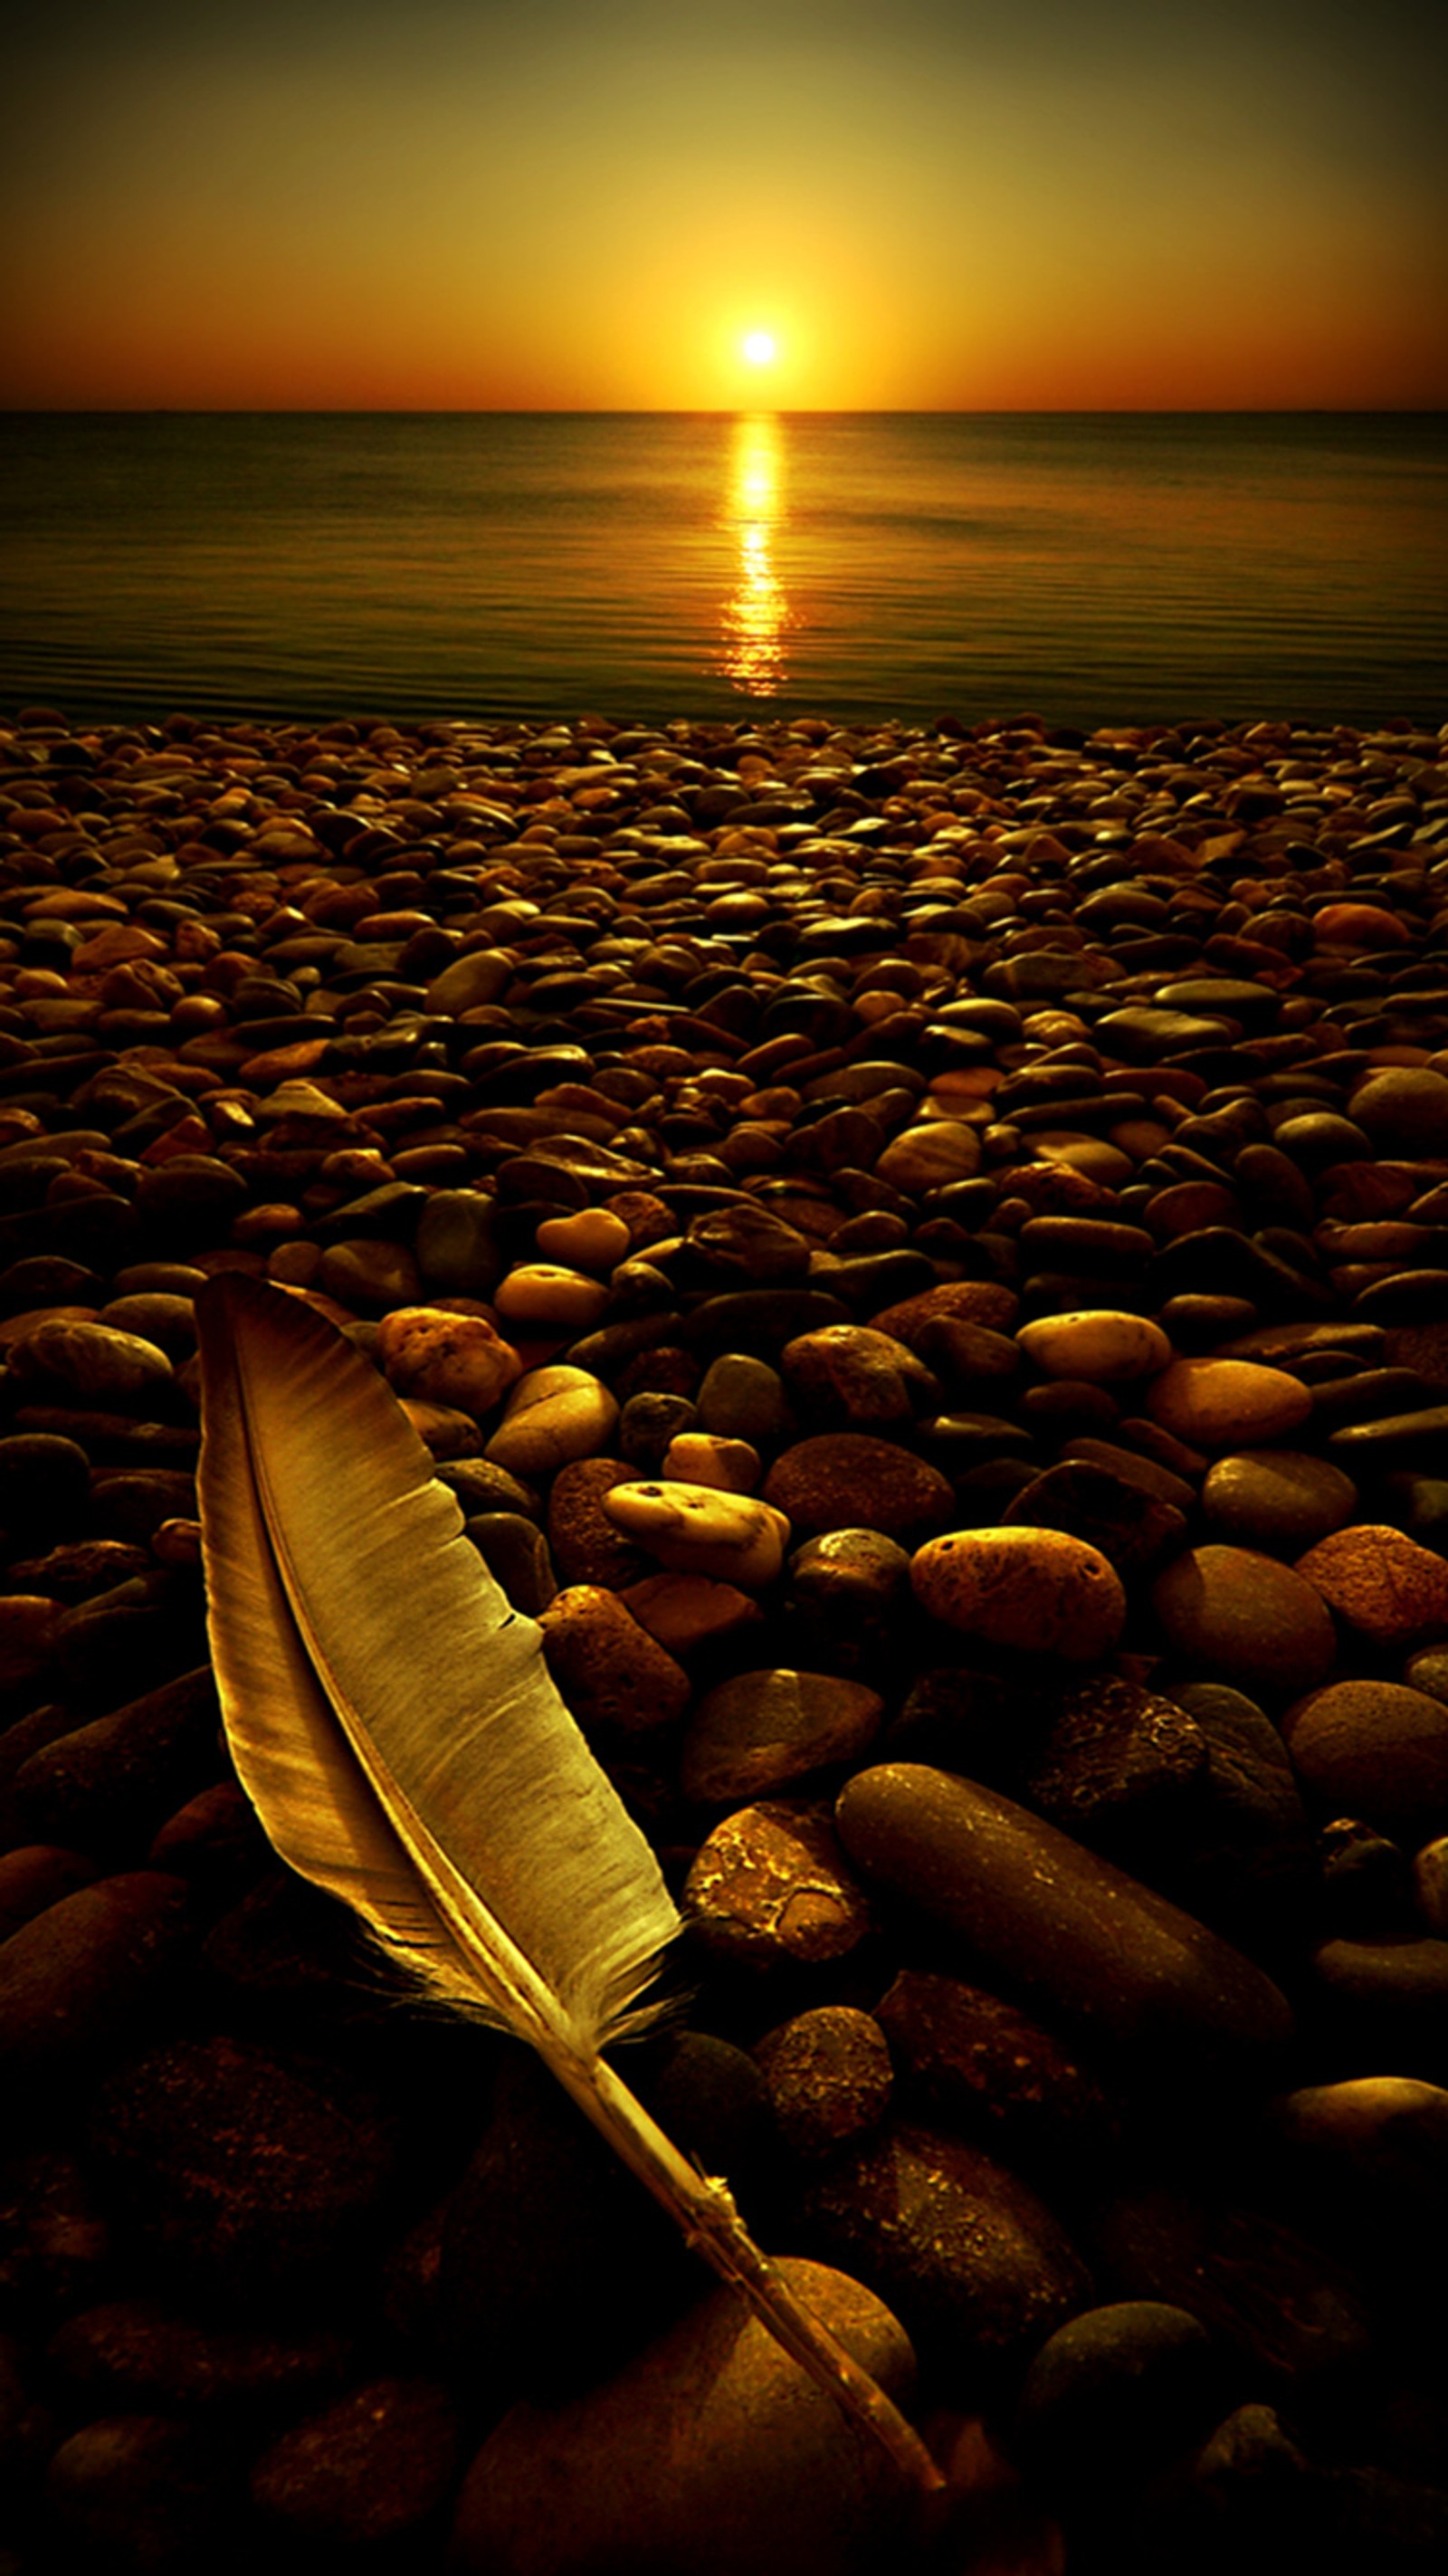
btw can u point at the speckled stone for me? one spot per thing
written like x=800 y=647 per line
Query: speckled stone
x=1382 y=1584
x=1037 y=1590
x=849 y=1480
x=1117 y=1767
x=850 y=1376
x=1133 y=1528
x=610 y=1672
x=1372 y=1749
x=761 y=1731
x=972 y=1301
x=771 y=1888
x=828 y=2077
x=712 y=2451
x=1063 y=1926
x=1234 y=1615
x=1228 y=1404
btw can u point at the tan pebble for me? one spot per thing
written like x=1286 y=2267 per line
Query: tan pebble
x=1387 y=1587
x=710 y=2451
x=928 y=1158
x=594 y=1239
x=1092 y=1156
x=1099 y=1345
x=457 y=1360
x=1038 y=1590
x=1245 y=1619
x=698 y=1529
x=688 y=1610
x=707 y=1458
x=544 y=1296
x=470 y=982
x=1375 y=1750
x=1221 y=1404
x=770 y=1888
x=91 y=1362
x=758 y=1732
x=828 y=2076
x=608 y=1669
x=554 y=1415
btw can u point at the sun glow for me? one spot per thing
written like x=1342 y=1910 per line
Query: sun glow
x=760 y=347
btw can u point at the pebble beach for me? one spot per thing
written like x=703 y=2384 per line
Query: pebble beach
x=922 y=1254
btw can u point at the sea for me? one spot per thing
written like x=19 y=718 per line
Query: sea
x=1090 y=569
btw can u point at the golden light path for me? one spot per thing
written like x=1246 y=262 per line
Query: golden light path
x=756 y=616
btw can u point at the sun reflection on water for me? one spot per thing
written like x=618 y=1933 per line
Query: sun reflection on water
x=756 y=616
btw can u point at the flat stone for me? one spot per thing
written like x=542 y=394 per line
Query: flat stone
x=1381 y=1583
x=1037 y=1590
x=89 y=1364
x=929 y=1157
x=1372 y=1749
x=712 y=2450
x=1226 y=1404
x=1242 y=1618
x=1099 y=1345
x=771 y=1888
x=1133 y=1528
x=761 y=1731
x=1069 y=1931
x=685 y=1611
x=970 y=1301
x=852 y=1376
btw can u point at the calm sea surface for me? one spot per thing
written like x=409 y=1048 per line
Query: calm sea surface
x=1092 y=568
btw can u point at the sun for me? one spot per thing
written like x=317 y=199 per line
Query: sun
x=760 y=347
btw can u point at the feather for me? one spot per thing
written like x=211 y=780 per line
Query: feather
x=395 y=1726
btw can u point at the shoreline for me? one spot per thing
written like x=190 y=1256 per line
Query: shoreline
x=1000 y=1172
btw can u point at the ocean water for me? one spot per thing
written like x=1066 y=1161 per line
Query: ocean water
x=1092 y=568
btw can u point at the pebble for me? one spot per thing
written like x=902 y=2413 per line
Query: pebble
x=609 y=1670
x=1373 y=1749
x=1038 y=1590
x=553 y=1416
x=770 y=1886
x=850 y=1479
x=454 y=1360
x=828 y=2077
x=1221 y=1404
x=986 y=2066
x=764 y=1731
x=703 y=1530
x=1100 y=1346
x=711 y=2450
x=1383 y=1585
x=1277 y=1499
x=1241 y=1617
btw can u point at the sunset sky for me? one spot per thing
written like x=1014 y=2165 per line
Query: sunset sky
x=580 y=204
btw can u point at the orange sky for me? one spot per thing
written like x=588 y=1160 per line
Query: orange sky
x=582 y=204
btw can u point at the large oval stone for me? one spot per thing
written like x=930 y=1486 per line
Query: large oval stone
x=711 y=2451
x=1372 y=1749
x=1228 y=1404
x=1064 y=1928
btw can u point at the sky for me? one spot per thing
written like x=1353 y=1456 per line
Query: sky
x=591 y=204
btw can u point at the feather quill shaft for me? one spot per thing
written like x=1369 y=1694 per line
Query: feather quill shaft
x=395 y=1726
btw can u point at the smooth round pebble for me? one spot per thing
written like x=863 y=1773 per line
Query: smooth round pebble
x=543 y=1297
x=1227 y=1404
x=1372 y=1749
x=1100 y=1346
x=1275 y=1498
